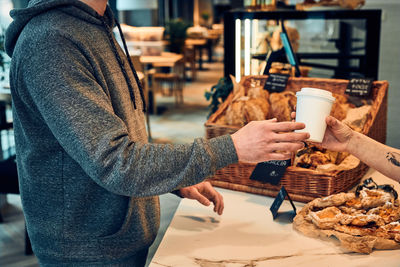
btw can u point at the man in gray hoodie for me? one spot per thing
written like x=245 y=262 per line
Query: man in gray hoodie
x=88 y=178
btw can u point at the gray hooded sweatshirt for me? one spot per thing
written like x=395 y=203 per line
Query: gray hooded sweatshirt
x=88 y=178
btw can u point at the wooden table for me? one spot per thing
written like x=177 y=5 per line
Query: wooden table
x=246 y=235
x=198 y=44
x=166 y=59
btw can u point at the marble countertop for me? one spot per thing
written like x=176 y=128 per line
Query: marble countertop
x=246 y=235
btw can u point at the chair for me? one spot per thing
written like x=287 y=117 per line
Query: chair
x=173 y=80
x=189 y=54
x=144 y=80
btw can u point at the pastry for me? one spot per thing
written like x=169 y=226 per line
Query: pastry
x=255 y=109
x=361 y=222
x=326 y=218
x=339 y=111
x=282 y=105
x=258 y=92
x=234 y=114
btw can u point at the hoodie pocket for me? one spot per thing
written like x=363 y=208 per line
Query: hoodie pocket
x=126 y=225
x=141 y=222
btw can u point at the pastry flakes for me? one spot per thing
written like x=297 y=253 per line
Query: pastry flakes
x=362 y=222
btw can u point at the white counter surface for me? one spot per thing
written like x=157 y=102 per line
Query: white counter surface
x=246 y=235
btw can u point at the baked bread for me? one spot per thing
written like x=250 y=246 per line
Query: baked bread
x=282 y=105
x=360 y=223
x=256 y=109
x=315 y=157
x=234 y=114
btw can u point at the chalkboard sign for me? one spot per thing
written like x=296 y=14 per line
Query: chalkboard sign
x=270 y=171
x=278 y=202
x=359 y=87
x=276 y=82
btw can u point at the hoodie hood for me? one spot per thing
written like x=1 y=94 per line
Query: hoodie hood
x=36 y=7
x=78 y=9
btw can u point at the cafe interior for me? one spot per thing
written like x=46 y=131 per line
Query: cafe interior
x=192 y=57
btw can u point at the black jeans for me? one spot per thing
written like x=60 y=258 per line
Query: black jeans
x=9 y=176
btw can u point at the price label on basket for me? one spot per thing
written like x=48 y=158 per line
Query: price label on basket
x=359 y=87
x=276 y=82
x=282 y=194
x=270 y=171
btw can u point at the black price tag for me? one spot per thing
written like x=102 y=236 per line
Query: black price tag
x=276 y=83
x=359 y=87
x=270 y=171
x=278 y=202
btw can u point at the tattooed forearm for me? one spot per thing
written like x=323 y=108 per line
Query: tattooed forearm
x=393 y=158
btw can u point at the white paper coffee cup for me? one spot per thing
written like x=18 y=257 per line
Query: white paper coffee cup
x=313 y=106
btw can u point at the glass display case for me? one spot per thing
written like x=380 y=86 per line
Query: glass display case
x=331 y=43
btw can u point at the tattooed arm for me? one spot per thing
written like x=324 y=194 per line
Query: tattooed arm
x=385 y=159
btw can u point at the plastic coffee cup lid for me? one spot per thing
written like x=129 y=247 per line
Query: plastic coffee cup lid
x=316 y=92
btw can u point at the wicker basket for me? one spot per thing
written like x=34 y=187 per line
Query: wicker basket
x=302 y=184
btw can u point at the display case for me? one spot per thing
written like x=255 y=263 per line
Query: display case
x=333 y=43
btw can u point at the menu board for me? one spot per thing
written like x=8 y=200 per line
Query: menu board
x=270 y=171
x=276 y=83
x=359 y=87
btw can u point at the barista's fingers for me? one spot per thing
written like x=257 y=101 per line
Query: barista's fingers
x=293 y=115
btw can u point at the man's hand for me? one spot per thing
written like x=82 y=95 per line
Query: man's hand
x=204 y=193
x=337 y=135
x=267 y=140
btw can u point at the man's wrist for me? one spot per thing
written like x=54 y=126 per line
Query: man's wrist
x=235 y=145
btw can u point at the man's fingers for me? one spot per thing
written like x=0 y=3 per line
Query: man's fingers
x=218 y=203
x=286 y=126
x=279 y=156
x=200 y=198
x=287 y=146
x=291 y=137
x=221 y=206
x=215 y=197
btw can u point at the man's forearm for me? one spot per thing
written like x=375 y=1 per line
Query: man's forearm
x=376 y=155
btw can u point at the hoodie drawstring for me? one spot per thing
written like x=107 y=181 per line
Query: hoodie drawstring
x=119 y=59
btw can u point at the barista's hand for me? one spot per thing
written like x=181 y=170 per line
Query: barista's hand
x=267 y=140
x=204 y=193
x=337 y=135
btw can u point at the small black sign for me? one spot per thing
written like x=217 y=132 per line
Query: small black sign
x=278 y=202
x=270 y=171
x=359 y=87
x=276 y=83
